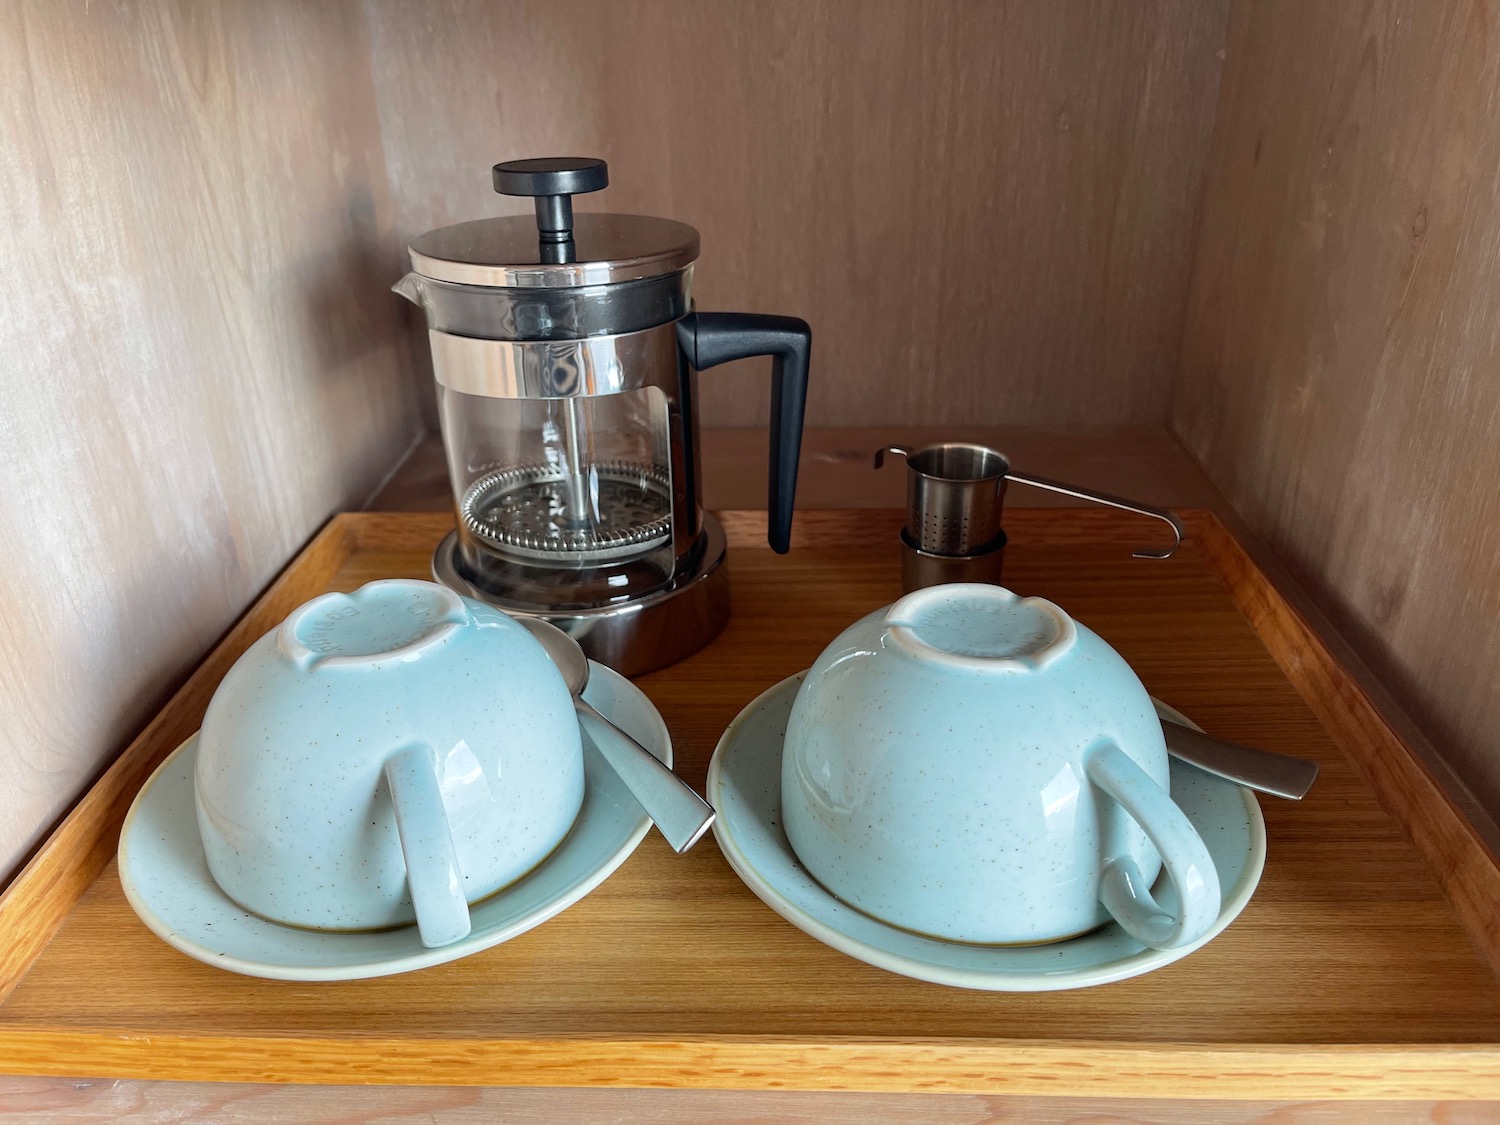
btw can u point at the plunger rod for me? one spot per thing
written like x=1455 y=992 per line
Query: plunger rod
x=583 y=510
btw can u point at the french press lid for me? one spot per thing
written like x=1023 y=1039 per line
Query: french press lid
x=558 y=250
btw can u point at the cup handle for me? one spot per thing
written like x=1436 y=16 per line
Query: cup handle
x=432 y=874
x=1123 y=890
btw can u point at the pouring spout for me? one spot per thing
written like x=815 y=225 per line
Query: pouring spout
x=410 y=287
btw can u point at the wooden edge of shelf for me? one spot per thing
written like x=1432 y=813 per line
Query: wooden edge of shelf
x=878 y=528
x=816 y=527
x=1410 y=780
x=1156 y=1070
x=394 y=530
x=38 y=899
x=839 y=527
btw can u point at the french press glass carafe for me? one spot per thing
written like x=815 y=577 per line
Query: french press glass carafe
x=566 y=353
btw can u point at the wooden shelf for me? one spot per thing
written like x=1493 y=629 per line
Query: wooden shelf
x=1349 y=975
x=1143 y=462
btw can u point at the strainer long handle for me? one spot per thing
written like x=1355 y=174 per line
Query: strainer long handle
x=1114 y=502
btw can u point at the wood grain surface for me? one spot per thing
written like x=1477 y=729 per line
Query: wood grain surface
x=1348 y=975
x=200 y=360
x=983 y=210
x=121 y=1102
x=1145 y=463
x=1460 y=846
x=1338 y=374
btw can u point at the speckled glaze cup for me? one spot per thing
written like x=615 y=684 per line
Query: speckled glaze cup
x=979 y=767
x=383 y=757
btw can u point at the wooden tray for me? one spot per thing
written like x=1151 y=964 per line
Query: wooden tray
x=1350 y=975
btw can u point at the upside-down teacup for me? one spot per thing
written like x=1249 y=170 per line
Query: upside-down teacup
x=978 y=767
x=384 y=757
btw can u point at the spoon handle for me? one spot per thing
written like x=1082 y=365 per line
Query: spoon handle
x=680 y=814
x=1281 y=775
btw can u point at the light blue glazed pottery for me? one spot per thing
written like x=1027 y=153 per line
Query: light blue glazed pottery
x=386 y=756
x=978 y=767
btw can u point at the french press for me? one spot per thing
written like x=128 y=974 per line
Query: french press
x=566 y=353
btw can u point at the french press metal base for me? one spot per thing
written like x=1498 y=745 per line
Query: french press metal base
x=635 y=636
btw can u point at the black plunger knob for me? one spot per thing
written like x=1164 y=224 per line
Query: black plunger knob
x=553 y=181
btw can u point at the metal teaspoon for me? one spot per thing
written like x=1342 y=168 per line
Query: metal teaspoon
x=1281 y=775
x=679 y=814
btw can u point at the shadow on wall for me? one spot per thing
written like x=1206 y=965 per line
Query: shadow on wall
x=985 y=211
x=342 y=300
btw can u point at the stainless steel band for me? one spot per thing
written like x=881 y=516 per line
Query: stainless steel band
x=597 y=365
x=500 y=252
x=635 y=636
x=492 y=313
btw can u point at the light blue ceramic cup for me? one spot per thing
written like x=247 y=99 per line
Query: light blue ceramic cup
x=386 y=756
x=979 y=767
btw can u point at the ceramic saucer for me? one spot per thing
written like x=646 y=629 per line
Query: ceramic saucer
x=744 y=785
x=167 y=881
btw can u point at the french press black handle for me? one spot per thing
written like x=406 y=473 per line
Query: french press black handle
x=709 y=339
x=553 y=181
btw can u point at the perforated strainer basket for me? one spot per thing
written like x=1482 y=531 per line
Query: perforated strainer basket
x=954 y=496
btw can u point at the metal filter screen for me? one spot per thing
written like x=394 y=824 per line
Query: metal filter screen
x=524 y=512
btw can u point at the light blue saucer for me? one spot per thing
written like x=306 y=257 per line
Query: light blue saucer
x=744 y=786
x=167 y=881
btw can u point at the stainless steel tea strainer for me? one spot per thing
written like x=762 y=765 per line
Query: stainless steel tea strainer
x=955 y=494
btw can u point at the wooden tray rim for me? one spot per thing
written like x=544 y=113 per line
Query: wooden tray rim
x=38 y=900
x=1301 y=1071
